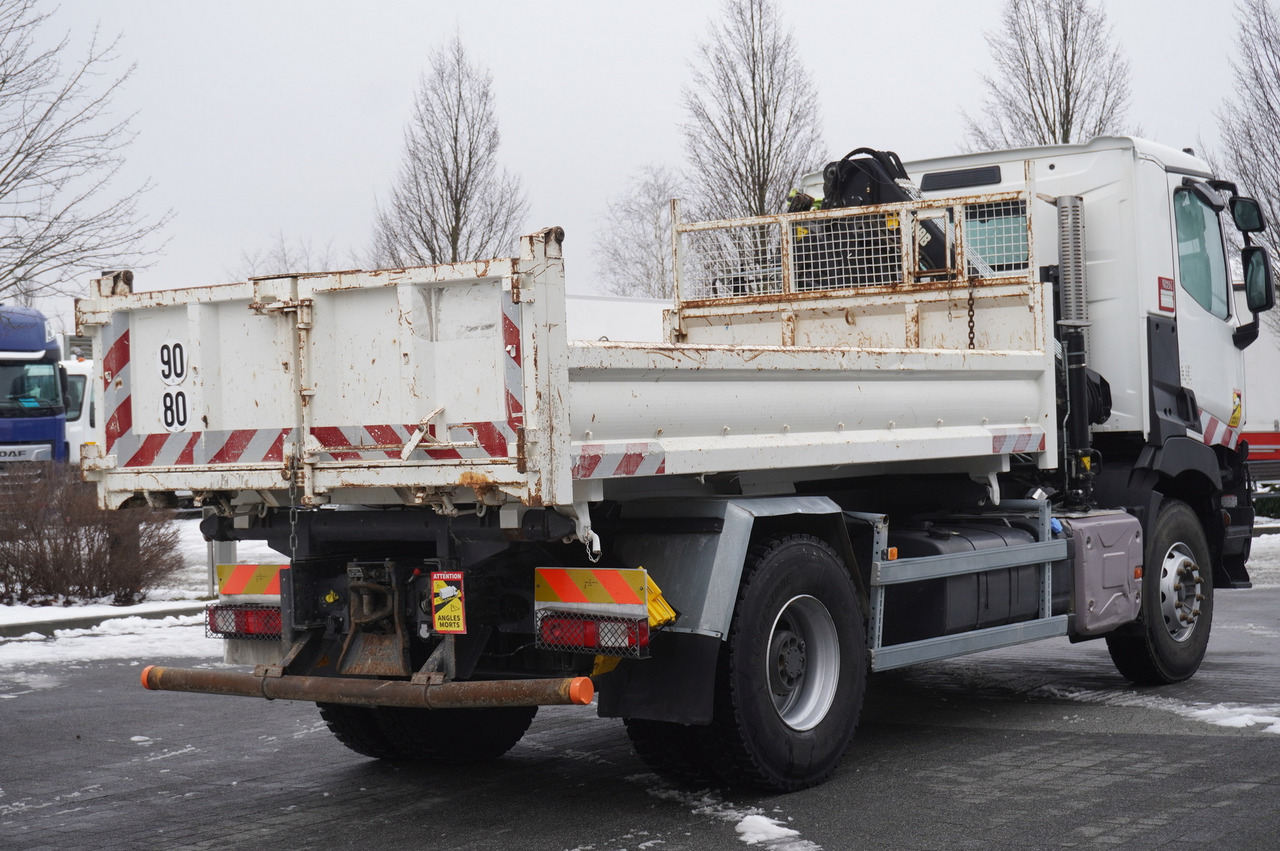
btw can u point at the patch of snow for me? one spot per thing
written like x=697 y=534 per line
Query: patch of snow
x=751 y=824
x=1221 y=714
x=1264 y=561
x=754 y=829
x=131 y=638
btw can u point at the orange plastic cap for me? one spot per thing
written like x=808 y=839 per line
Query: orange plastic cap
x=581 y=690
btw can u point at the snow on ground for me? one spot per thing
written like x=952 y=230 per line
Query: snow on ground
x=751 y=824
x=132 y=638
x=1264 y=561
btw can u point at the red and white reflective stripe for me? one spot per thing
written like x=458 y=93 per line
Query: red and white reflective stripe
x=1010 y=441
x=115 y=379
x=266 y=446
x=1217 y=433
x=184 y=449
x=513 y=363
x=614 y=460
x=378 y=442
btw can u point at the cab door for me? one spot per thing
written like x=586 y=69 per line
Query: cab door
x=1211 y=366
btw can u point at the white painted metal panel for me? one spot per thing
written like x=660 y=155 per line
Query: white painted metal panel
x=457 y=384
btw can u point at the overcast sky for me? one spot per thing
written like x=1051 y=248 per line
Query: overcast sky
x=259 y=118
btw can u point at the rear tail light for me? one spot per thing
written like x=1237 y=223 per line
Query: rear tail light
x=242 y=622
x=584 y=633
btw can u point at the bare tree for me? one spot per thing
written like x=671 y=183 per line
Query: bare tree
x=634 y=249
x=60 y=153
x=1059 y=77
x=1249 y=121
x=753 y=126
x=285 y=255
x=450 y=201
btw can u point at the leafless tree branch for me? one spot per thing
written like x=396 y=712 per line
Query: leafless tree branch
x=1058 y=77
x=1249 y=120
x=285 y=255
x=634 y=249
x=60 y=154
x=450 y=202
x=752 y=126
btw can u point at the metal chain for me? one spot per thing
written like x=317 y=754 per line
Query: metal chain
x=971 y=286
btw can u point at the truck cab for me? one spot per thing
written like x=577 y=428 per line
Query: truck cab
x=32 y=390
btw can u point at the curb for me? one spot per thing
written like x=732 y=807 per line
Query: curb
x=48 y=627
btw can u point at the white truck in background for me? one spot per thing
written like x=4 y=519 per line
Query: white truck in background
x=905 y=426
x=81 y=413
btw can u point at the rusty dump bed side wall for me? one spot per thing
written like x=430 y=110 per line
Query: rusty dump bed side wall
x=457 y=384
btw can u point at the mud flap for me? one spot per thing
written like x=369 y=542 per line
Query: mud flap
x=675 y=684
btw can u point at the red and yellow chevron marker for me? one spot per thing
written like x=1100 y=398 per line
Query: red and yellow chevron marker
x=237 y=579
x=590 y=585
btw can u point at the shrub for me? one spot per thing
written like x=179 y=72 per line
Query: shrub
x=56 y=544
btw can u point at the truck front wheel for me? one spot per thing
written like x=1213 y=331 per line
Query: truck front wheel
x=1168 y=642
x=792 y=672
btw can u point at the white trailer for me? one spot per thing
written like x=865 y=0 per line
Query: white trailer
x=874 y=435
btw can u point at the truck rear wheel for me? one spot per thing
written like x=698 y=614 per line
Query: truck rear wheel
x=359 y=728
x=678 y=752
x=452 y=736
x=792 y=672
x=455 y=736
x=1169 y=640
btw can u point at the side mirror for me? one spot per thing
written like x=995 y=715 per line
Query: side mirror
x=1247 y=214
x=1259 y=291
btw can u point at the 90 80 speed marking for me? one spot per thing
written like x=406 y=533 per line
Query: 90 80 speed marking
x=171 y=360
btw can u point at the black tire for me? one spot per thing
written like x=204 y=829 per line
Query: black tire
x=678 y=752
x=359 y=728
x=793 y=669
x=1169 y=640
x=455 y=736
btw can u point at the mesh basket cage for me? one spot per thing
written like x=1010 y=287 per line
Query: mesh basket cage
x=579 y=632
x=247 y=621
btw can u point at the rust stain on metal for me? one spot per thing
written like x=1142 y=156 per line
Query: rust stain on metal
x=372 y=692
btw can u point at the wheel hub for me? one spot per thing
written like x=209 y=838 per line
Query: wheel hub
x=787 y=651
x=803 y=662
x=1181 y=592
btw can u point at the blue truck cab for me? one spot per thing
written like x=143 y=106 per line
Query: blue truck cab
x=32 y=389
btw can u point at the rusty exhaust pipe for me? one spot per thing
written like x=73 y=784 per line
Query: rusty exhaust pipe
x=368 y=692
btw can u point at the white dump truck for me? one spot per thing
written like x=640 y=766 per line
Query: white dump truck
x=962 y=404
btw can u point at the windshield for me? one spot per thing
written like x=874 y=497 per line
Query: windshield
x=29 y=390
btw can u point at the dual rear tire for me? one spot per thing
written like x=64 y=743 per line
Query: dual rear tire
x=447 y=736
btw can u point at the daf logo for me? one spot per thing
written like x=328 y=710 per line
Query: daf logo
x=12 y=453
